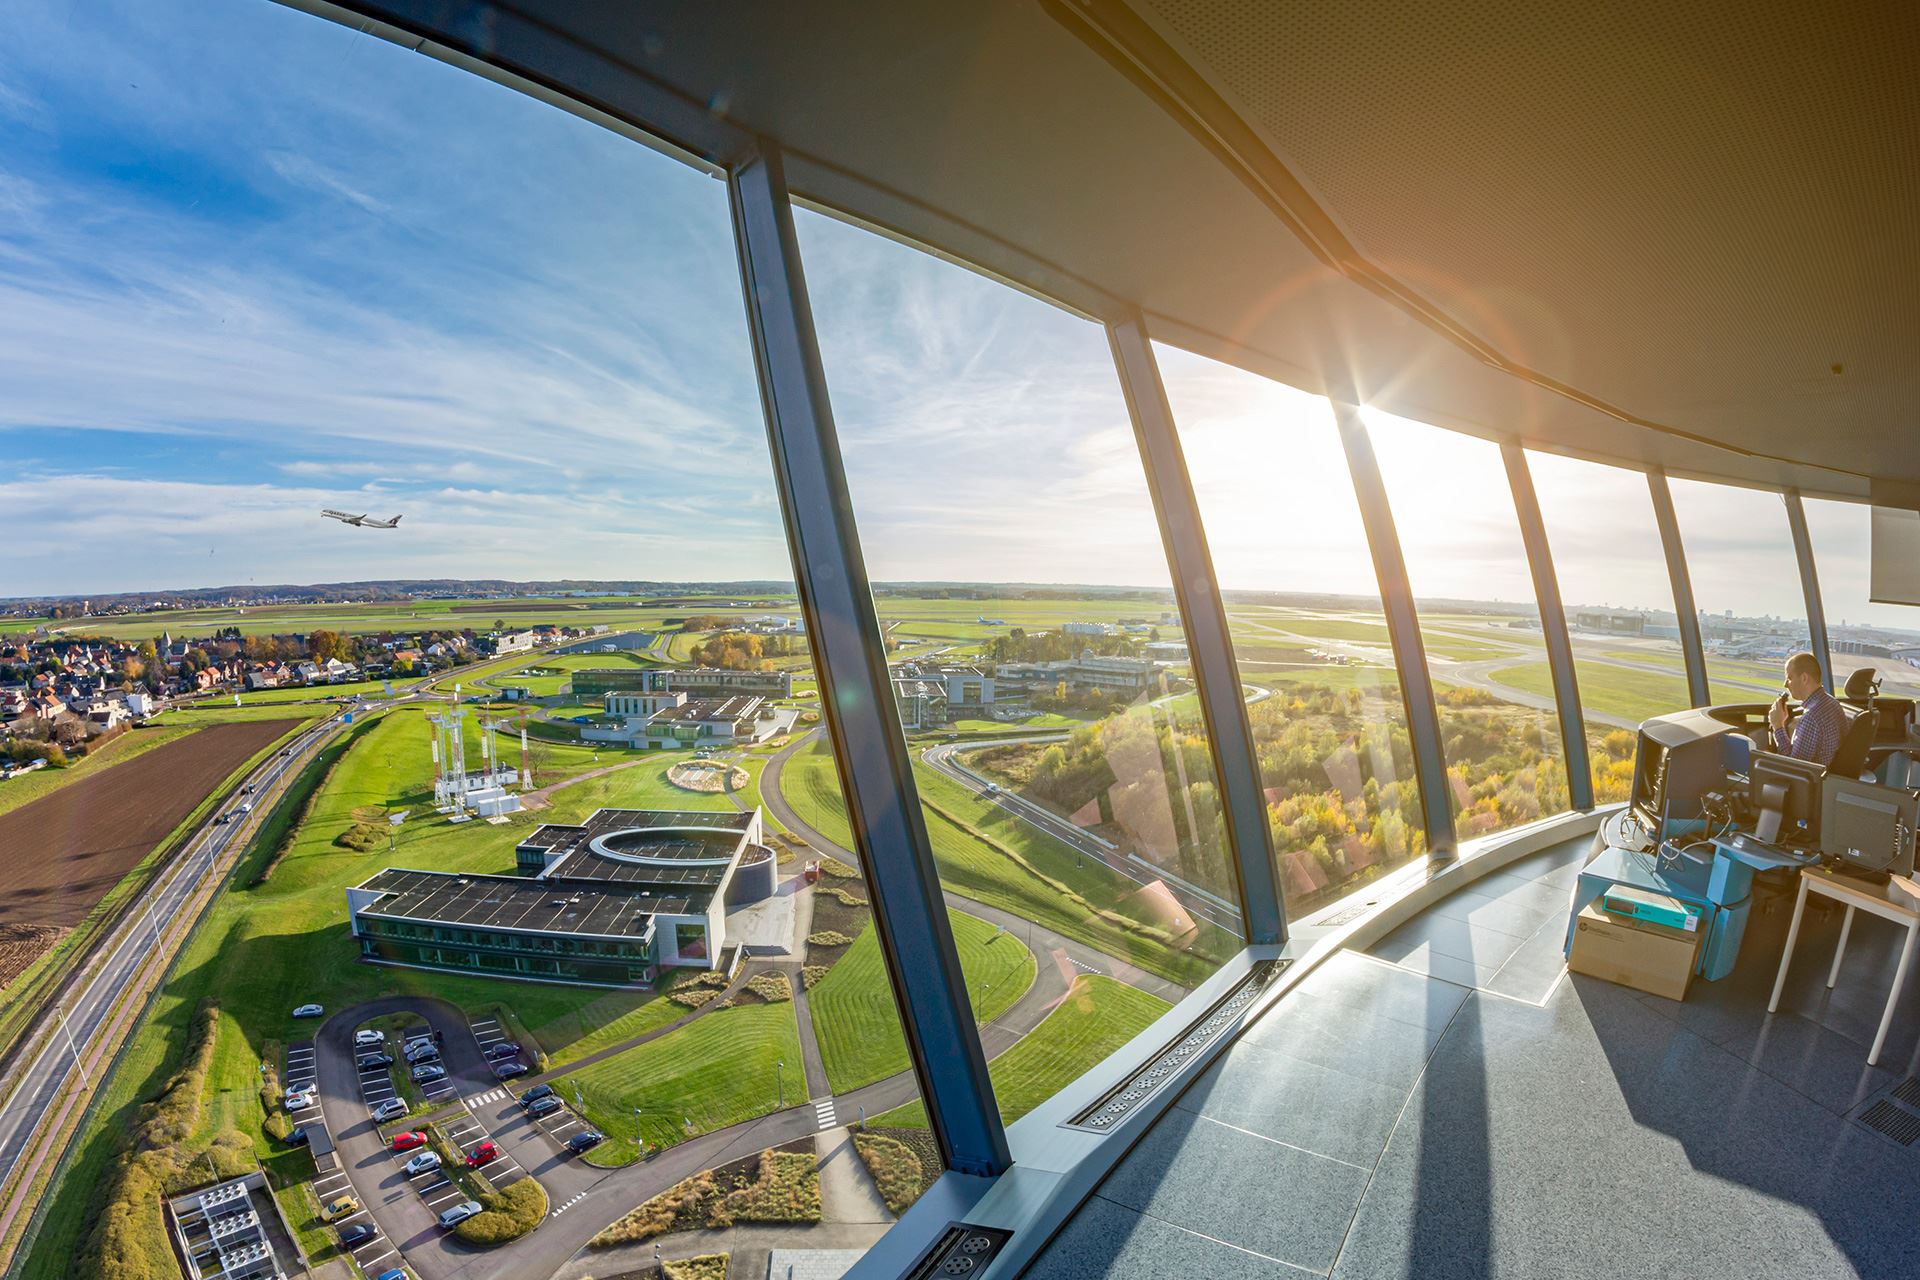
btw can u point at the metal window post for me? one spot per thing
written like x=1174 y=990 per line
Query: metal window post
x=856 y=693
x=1817 y=637
x=1683 y=607
x=1209 y=643
x=1553 y=625
x=1403 y=629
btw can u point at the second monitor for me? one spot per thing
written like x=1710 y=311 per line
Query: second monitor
x=1790 y=788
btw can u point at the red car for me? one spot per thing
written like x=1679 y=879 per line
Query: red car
x=408 y=1141
x=485 y=1153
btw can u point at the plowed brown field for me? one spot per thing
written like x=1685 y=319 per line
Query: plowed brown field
x=60 y=854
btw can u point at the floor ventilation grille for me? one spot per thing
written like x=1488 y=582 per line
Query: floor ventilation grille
x=962 y=1250
x=1898 y=1123
x=1130 y=1093
x=1349 y=915
x=1907 y=1091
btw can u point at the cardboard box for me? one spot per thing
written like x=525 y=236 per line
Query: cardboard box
x=1635 y=953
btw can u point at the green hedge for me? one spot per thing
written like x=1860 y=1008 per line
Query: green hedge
x=506 y=1215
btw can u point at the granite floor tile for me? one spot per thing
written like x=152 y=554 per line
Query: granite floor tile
x=1227 y=1184
x=1275 y=1095
x=1106 y=1239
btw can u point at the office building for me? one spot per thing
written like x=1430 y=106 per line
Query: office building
x=695 y=682
x=607 y=902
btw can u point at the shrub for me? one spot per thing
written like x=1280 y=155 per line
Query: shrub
x=776 y=1185
x=845 y=898
x=786 y=1190
x=828 y=938
x=362 y=837
x=895 y=1168
x=506 y=1214
x=771 y=987
x=708 y=1266
x=837 y=869
x=811 y=974
x=692 y=996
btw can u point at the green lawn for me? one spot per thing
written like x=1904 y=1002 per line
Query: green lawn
x=986 y=872
x=1097 y=1016
x=44 y=781
x=716 y=1071
x=1620 y=691
x=314 y=693
x=854 y=1017
x=265 y=949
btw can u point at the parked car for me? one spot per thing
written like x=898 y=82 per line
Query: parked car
x=428 y=1072
x=298 y=1138
x=485 y=1153
x=408 y=1141
x=339 y=1207
x=544 y=1106
x=368 y=1061
x=309 y=1011
x=367 y=1037
x=505 y=1049
x=299 y=1099
x=388 y=1110
x=459 y=1213
x=508 y=1070
x=585 y=1139
x=422 y=1163
x=358 y=1234
x=421 y=1050
x=392 y=1273
x=536 y=1093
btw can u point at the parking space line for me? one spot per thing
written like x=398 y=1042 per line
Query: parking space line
x=367 y=1264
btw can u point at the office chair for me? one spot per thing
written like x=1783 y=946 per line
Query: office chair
x=1862 y=685
x=1850 y=761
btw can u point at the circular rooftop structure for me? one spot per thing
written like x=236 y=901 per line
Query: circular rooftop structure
x=668 y=846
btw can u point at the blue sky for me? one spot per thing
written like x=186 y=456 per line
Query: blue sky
x=253 y=264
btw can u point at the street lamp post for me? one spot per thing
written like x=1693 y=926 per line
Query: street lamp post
x=779 y=1085
x=61 y=1014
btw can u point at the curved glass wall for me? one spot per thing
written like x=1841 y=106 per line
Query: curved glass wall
x=1860 y=632
x=1036 y=651
x=1291 y=556
x=391 y=441
x=1746 y=585
x=1618 y=599
x=1468 y=571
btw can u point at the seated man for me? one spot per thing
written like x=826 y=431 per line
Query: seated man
x=1822 y=722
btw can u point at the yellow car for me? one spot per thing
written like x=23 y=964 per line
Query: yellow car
x=340 y=1207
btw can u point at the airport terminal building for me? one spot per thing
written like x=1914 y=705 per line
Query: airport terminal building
x=607 y=902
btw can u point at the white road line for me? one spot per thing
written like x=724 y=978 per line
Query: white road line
x=555 y=1129
x=486 y=1022
x=369 y=1263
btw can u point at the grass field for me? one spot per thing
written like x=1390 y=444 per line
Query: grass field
x=317 y=692
x=716 y=1071
x=987 y=873
x=265 y=949
x=854 y=1017
x=134 y=742
x=1094 y=1019
x=1619 y=691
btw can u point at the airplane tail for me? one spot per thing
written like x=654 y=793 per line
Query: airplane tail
x=396 y=522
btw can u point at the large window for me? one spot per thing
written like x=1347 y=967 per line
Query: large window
x=1036 y=652
x=1746 y=585
x=1468 y=571
x=1618 y=599
x=256 y=267
x=1296 y=573
x=1860 y=632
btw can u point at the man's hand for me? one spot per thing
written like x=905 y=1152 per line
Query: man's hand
x=1777 y=714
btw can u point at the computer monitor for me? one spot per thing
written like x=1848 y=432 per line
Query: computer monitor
x=1679 y=758
x=1868 y=826
x=1791 y=788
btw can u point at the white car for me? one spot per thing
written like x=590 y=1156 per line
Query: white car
x=367 y=1037
x=309 y=1011
x=459 y=1213
x=421 y=1163
x=299 y=1099
x=388 y=1110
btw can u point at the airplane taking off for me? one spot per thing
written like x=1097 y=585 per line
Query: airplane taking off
x=361 y=520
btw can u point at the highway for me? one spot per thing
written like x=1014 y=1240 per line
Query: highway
x=52 y=1061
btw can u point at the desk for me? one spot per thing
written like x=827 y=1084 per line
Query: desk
x=1722 y=890
x=1642 y=871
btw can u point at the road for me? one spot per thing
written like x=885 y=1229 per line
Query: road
x=126 y=950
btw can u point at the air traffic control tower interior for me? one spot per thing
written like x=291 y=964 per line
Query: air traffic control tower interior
x=1634 y=282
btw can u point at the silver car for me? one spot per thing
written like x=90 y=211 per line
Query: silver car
x=459 y=1213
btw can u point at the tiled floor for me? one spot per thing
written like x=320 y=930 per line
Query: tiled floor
x=1454 y=1106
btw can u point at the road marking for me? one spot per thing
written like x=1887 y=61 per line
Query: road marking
x=568 y=1205
x=369 y=1263
x=1084 y=968
x=555 y=1129
x=487 y=1022
x=823 y=1111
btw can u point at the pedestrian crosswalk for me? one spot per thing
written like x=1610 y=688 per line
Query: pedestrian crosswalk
x=823 y=1111
x=491 y=1095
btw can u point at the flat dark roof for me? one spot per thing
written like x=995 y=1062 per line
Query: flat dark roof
x=524 y=905
x=736 y=707
x=554 y=835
